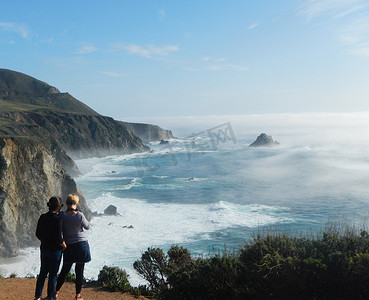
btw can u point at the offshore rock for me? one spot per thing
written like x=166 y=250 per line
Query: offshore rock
x=264 y=140
x=29 y=175
x=111 y=210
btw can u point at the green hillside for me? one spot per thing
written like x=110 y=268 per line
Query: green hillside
x=20 y=92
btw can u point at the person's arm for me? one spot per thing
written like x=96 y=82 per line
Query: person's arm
x=39 y=229
x=85 y=224
x=60 y=233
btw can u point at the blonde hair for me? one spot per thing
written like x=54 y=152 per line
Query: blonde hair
x=72 y=199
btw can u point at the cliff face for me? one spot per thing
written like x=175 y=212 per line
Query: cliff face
x=41 y=130
x=29 y=175
x=80 y=135
x=149 y=133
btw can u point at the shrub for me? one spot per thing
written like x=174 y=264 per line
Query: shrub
x=70 y=277
x=142 y=290
x=155 y=266
x=213 y=278
x=177 y=257
x=152 y=267
x=333 y=264
x=13 y=275
x=114 y=279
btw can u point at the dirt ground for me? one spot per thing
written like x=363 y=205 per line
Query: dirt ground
x=24 y=289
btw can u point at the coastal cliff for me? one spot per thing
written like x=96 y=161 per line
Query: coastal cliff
x=148 y=132
x=80 y=135
x=29 y=175
x=41 y=131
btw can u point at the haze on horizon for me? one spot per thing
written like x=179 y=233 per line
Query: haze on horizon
x=140 y=59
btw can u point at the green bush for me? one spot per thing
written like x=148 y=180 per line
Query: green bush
x=70 y=277
x=333 y=264
x=155 y=266
x=142 y=290
x=13 y=275
x=152 y=266
x=114 y=279
x=212 y=278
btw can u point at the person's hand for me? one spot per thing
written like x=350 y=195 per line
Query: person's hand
x=63 y=245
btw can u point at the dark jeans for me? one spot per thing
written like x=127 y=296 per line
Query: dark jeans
x=50 y=261
x=79 y=276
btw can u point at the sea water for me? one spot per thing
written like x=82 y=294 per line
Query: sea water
x=207 y=190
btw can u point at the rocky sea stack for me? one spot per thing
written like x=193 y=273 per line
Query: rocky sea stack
x=264 y=140
x=41 y=131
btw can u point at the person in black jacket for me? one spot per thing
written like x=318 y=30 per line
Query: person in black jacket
x=49 y=232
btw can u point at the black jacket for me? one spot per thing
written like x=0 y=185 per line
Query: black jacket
x=49 y=231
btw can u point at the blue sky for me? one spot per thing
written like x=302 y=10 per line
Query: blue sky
x=181 y=58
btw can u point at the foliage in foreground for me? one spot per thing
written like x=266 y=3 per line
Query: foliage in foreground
x=331 y=265
x=114 y=279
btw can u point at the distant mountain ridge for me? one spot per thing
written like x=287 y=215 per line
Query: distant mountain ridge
x=20 y=92
x=41 y=131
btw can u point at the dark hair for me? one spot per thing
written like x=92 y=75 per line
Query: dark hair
x=54 y=202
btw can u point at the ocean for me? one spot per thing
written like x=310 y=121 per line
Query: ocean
x=207 y=190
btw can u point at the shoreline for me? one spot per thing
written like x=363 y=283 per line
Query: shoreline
x=27 y=259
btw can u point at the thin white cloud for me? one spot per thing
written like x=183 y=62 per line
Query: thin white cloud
x=48 y=41
x=20 y=29
x=215 y=65
x=86 y=49
x=353 y=28
x=148 y=51
x=190 y=69
x=362 y=50
x=337 y=9
x=226 y=67
x=112 y=74
x=253 y=25
x=211 y=59
x=356 y=31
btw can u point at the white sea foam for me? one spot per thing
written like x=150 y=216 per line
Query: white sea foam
x=113 y=243
x=27 y=263
x=189 y=179
x=156 y=224
x=135 y=182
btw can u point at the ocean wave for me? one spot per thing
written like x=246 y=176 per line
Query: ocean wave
x=142 y=224
x=135 y=182
x=107 y=178
x=189 y=179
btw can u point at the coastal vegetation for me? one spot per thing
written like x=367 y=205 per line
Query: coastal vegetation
x=333 y=264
